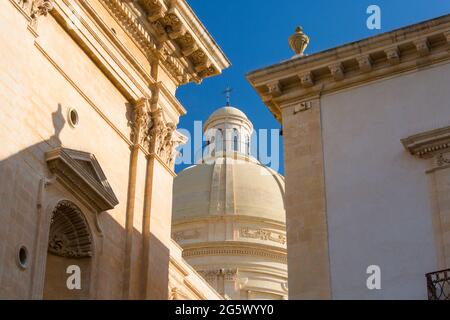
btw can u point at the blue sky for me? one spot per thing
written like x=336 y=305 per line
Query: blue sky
x=254 y=33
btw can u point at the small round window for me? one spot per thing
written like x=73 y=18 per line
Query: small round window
x=22 y=257
x=73 y=117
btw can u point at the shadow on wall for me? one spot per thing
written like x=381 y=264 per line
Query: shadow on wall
x=28 y=270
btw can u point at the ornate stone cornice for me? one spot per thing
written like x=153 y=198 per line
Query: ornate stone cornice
x=236 y=218
x=35 y=9
x=434 y=144
x=172 y=34
x=236 y=249
x=429 y=144
x=371 y=59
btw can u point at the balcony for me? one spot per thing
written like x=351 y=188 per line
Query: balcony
x=438 y=284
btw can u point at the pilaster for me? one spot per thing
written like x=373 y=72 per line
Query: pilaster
x=434 y=146
x=306 y=221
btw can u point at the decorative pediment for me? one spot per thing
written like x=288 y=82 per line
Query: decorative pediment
x=429 y=144
x=81 y=172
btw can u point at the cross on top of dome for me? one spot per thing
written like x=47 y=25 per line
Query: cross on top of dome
x=227 y=93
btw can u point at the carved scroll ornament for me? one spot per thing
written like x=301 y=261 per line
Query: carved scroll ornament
x=154 y=134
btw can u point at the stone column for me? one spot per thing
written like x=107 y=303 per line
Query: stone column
x=306 y=221
x=139 y=127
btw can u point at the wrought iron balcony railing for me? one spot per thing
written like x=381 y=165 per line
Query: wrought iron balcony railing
x=438 y=284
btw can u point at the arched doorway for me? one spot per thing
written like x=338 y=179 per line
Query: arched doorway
x=70 y=252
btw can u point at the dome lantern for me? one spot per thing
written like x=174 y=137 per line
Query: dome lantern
x=228 y=131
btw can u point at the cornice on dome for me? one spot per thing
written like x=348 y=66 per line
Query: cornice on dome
x=235 y=248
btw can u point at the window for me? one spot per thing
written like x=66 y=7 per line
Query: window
x=220 y=140
x=235 y=140
x=247 y=145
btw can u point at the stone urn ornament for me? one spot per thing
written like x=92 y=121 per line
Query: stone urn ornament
x=298 y=42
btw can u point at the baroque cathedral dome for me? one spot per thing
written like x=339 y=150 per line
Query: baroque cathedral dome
x=229 y=214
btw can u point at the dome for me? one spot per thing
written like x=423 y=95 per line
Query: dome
x=229 y=186
x=227 y=114
x=229 y=214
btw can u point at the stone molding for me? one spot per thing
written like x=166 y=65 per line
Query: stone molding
x=235 y=248
x=431 y=144
x=370 y=59
x=428 y=144
x=154 y=25
x=262 y=234
x=186 y=235
x=81 y=173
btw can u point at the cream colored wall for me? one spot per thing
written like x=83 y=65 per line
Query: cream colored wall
x=378 y=200
x=32 y=88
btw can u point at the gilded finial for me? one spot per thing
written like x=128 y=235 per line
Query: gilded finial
x=298 y=41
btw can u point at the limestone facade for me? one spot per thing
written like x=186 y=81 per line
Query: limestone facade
x=355 y=196
x=88 y=130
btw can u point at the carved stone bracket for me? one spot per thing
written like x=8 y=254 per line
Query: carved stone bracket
x=337 y=71
x=307 y=79
x=274 y=88
x=140 y=122
x=365 y=63
x=393 y=55
x=442 y=160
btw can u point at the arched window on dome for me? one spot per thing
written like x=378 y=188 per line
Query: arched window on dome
x=212 y=146
x=235 y=140
x=247 y=145
x=220 y=140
